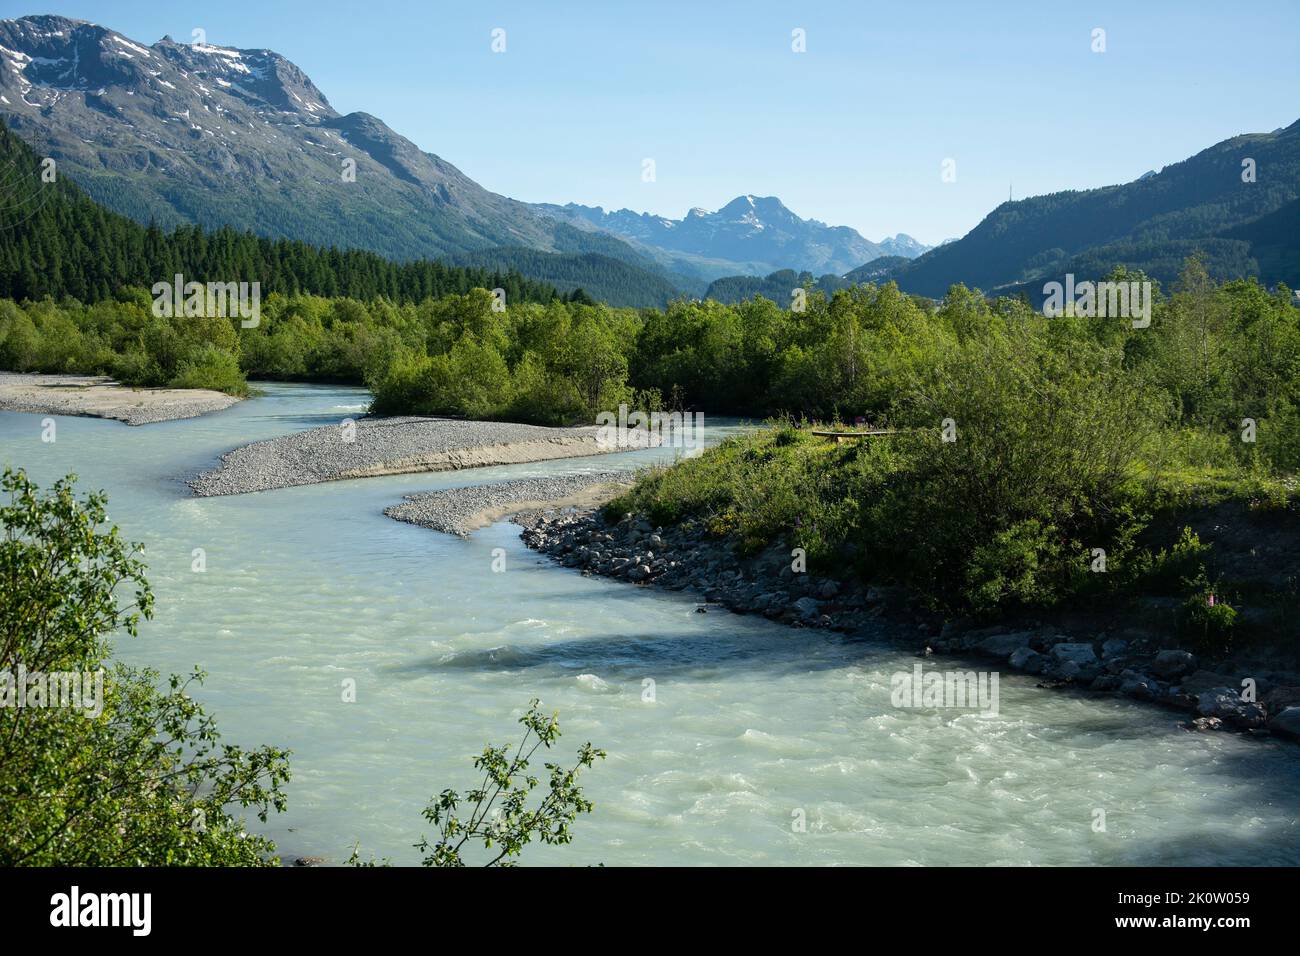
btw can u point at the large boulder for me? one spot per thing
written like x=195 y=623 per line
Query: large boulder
x=1199 y=682
x=1072 y=661
x=1075 y=653
x=1227 y=705
x=807 y=608
x=1027 y=659
x=1286 y=723
x=1172 y=664
x=1113 y=648
x=1138 y=686
x=1003 y=645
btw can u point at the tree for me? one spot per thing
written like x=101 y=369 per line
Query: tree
x=116 y=772
x=499 y=816
x=507 y=826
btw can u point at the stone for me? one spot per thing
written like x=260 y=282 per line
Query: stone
x=1173 y=663
x=1227 y=705
x=1027 y=659
x=1114 y=647
x=1278 y=698
x=1137 y=688
x=1200 y=681
x=807 y=608
x=1003 y=645
x=1044 y=642
x=1078 y=654
x=1286 y=723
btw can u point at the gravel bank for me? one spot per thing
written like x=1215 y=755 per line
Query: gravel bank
x=460 y=510
x=389 y=446
x=96 y=396
x=1133 y=662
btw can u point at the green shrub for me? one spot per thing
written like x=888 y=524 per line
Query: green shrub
x=1014 y=567
x=211 y=368
x=1168 y=571
x=1211 y=628
x=130 y=774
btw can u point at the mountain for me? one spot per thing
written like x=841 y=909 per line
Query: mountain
x=1274 y=242
x=904 y=246
x=877 y=270
x=1199 y=205
x=184 y=133
x=55 y=241
x=750 y=235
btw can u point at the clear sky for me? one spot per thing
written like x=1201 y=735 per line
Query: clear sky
x=853 y=131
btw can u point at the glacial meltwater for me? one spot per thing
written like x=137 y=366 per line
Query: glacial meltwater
x=763 y=744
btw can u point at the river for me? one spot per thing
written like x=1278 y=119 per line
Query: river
x=763 y=744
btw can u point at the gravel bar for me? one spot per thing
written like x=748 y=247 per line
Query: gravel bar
x=460 y=510
x=390 y=446
x=96 y=396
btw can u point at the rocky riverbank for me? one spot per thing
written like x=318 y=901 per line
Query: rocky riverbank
x=96 y=396
x=1134 y=661
x=461 y=510
x=391 y=446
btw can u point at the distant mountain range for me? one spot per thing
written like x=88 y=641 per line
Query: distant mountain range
x=750 y=235
x=183 y=133
x=180 y=133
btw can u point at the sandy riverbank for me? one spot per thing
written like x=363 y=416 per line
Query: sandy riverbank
x=97 y=396
x=390 y=446
x=462 y=510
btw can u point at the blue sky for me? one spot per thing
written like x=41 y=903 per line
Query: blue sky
x=852 y=132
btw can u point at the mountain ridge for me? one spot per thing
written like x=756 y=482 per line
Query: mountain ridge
x=1152 y=223
x=202 y=134
x=751 y=234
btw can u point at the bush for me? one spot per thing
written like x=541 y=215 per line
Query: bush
x=1209 y=627
x=130 y=774
x=211 y=368
x=1168 y=571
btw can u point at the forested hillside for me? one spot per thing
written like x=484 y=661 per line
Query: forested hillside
x=603 y=277
x=778 y=287
x=1200 y=205
x=55 y=241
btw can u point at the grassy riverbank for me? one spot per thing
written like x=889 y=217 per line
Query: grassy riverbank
x=905 y=510
x=1044 y=464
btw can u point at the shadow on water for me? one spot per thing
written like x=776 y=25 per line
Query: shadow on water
x=629 y=655
x=1272 y=838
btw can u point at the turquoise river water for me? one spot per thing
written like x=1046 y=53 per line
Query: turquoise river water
x=754 y=726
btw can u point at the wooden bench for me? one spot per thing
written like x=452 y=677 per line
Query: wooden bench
x=841 y=437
